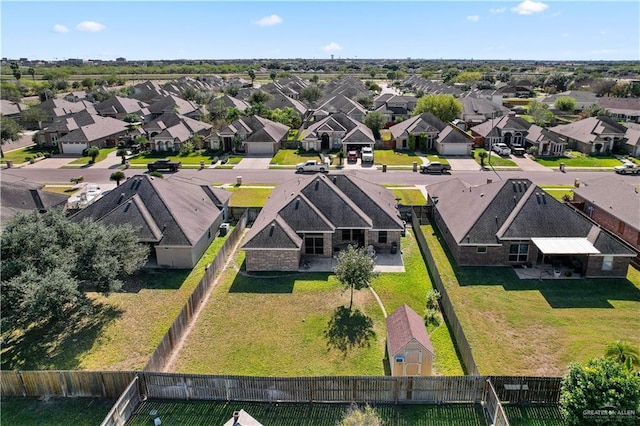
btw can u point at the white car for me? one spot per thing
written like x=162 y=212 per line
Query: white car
x=501 y=148
x=367 y=155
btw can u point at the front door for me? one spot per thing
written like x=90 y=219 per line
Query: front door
x=325 y=142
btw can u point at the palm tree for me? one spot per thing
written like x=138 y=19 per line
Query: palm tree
x=623 y=352
x=482 y=155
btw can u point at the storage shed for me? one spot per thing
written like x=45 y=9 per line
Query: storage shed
x=408 y=344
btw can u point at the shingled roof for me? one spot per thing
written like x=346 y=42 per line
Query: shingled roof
x=170 y=212
x=617 y=195
x=24 y=196
x=404 y=325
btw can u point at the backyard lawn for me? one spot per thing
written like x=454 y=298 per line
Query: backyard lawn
x=248 y=197
x=291 y=157
x=273 y=324
x=578 y=159
x=20 y=411
x=537 y=327
x=409 y=196
x=119 y=334
x=559 y=191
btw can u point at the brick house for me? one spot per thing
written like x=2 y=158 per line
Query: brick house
x=316 y=215
x=514 y=223
x=337 y=131
x=444 y=138
x=592 y=135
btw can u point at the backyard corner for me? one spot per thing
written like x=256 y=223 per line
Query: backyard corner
x=536 y=327
x=286 y=314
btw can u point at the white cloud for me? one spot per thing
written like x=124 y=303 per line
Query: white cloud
x=473 y=18
x=332 y=47
x=270 y=20
x=498 y=10
x=529 y=7
x=90 y=26
x=603 y=32
x=60 y=29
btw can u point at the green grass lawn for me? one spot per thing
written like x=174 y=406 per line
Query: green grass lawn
x=20 y=156
x=537 y=327
x=291 y=157
x=248 y=197
x=87 y=160
x=192 y=159
x=409 y=196
x=120 y=334
x=273 y=325
x=66 y=190
x=392 y=157
x=495 y=160
x=29 y=411
x=385 y=135
x=286 y=414
x=580 y=160
x=534 y=415
x=559 y=191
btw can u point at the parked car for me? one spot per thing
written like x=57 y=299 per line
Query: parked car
x=434 y=167
x=352 y=156
x=501 y=148
x=312 y=166
x=519 y=151
x=367 y=155
x=164 y=164
x=627 y=168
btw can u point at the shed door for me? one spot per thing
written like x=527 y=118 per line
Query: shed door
x=413 y=363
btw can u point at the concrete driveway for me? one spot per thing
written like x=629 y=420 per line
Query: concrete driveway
x=527 y=164
x=463 y=163
x=255 y=163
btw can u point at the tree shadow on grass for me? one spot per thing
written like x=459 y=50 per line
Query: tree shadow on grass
x=348 y=329
x=56 y=345
x=155 y=279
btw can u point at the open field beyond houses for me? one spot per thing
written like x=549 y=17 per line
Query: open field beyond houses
x=537 y=327
x=273 y=325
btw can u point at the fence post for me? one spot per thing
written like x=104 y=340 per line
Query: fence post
x=24 y=387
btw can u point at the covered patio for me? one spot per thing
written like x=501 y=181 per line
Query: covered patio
x=558 y=258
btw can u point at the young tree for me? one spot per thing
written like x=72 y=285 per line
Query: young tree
x=600 y=385
x=482 y=155
x=34 y=117
x=132 y=118
x=10 y=132
x=354 y=269
x=117 y=177
x=122 y=153
x=88 y=83
x=252 y=76
x=32 y=73
x=623 y=352
x=310 y=94
x=273 y=75
x=259 y=97
x=314 y=79
x=375 y=120
x=15 y=70
x=565 y=103
x=93 y=152
x=446 y=107
x=540 y=113
x=356 y=416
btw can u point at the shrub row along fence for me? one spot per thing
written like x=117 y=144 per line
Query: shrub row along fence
x=360 y=389
x=445 y=302
x=163 y=351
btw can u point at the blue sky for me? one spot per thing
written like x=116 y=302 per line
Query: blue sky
x=137 y=30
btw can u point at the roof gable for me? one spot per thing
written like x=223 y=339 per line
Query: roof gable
x=403 y=326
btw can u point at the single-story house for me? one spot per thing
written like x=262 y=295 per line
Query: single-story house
x=25 y=196
x=337 y=131
x=394 y=106
x=632 y=138
x=509 y=129
x=11 y=109
x=444 y=138
x=171 y=130
x=584 y=99
x=75 y=133
x=254 y=135
x=622 y=109
x=476 y=110
x=513 y=222
x=178 y=219
x=408 y=345
x=592 y=135
x=547 y=142
x=612 y=201
x=339 y=103
x=58 y=108
x=316 y=215
x=119 y=107
x=174 y=103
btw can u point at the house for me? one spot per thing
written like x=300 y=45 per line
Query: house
x=394 y=106
x=339 y=103
x=592 y=135
x=171 y=130
x=409 y=348
x=178 y=219
x=515 y=223
x=476 y=110
x=316 y=215
x=25 y=196
x=426 y=131
x=632 y=139
x=73 y=134
x=279 y=100
x=58 y=108
x=337 y=131
x=119 y=107
x=613 y=202
x=253 y=134
x=584 y=99
x=11 y=109
x=546 y=142
x=173 y=103
x=509 y=129
x=220 y=105
x=622 y=109
x=78 y=96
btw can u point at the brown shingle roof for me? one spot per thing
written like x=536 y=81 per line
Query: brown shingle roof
x=403 y=326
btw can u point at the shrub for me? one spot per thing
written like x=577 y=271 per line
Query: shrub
x=156 y=173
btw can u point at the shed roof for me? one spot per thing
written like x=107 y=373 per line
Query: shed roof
x=403 y=326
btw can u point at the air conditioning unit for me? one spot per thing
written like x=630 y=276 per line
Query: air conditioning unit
x=224 y=229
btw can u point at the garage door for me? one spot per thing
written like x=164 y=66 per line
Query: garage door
x=259 y=148
x=453 y=149
x=73 y=148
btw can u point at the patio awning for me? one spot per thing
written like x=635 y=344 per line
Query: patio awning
x=559 y=245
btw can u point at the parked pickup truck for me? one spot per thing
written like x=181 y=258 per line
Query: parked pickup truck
x=434 y=167
x=627 y=168
x=312 y=166
x=367 y=155
x=164 y=164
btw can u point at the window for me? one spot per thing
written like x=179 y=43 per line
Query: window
x=481 y=249
x=382 y=237
x=346 y=234
x=399 y=358
x=607 y=263
x=313 y=244
x=518 y=252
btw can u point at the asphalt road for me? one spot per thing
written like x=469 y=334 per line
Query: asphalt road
x=63 y=176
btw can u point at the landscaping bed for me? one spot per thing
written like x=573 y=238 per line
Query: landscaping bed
x=536 y=327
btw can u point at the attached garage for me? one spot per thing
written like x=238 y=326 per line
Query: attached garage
x=260 y=148
x=72 y=147
x=453 y=142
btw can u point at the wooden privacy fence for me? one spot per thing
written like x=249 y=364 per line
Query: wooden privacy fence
x=522 y=389
x=104 y=384
x=445 y=302
x=163 y=351
x=493 y=407
x=124 y=406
